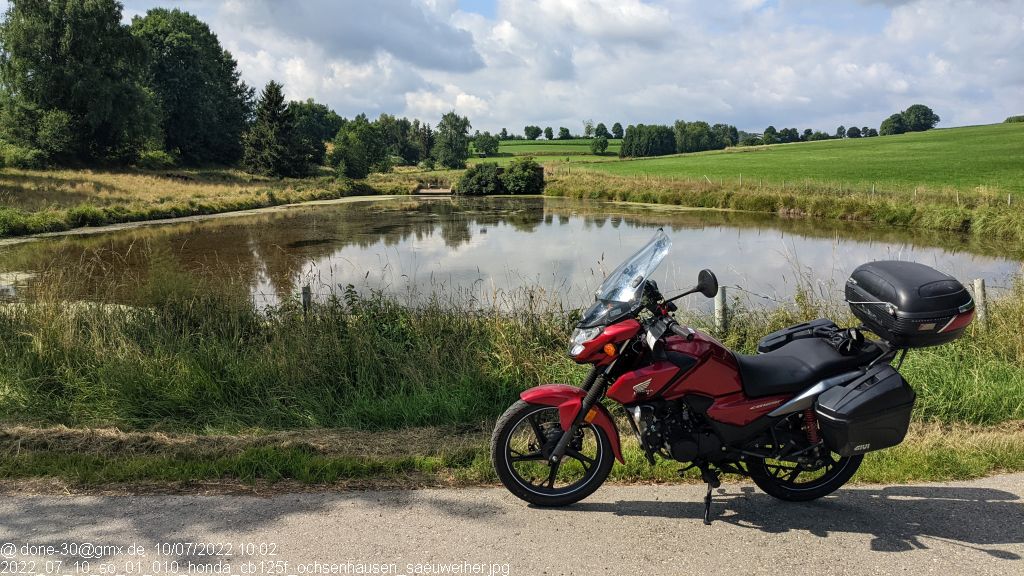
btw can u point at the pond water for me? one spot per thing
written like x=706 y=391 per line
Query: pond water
x=478 y=249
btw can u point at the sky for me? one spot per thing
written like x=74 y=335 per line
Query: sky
x=751 y=63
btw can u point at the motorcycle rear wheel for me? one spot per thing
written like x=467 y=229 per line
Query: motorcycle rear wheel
x=522 y=441
x=782 y=479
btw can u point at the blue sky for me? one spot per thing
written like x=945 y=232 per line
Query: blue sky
x=507 y=63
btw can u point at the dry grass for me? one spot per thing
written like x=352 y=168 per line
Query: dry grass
x=34 y=201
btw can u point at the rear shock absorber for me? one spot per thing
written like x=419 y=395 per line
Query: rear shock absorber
x=811 y=423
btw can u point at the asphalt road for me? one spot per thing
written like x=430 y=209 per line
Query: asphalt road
x=949 y=529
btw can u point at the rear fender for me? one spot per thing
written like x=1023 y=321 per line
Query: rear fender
x=569 y=400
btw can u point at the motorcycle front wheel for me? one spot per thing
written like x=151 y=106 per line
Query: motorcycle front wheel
x=523 y=439
x=788 y=481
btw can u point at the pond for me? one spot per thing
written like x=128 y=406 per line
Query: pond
x=477 y=249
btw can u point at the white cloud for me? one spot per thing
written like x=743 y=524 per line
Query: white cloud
x=557 y=62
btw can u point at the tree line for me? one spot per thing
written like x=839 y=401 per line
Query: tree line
x=658 y=140
x=79 y=87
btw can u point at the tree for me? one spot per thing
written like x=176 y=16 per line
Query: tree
x=204 y=105
x=919 y=118
x=893 y=125
x=422 y=139
x=532 y=132
x=549 y=133
x=315 y=124
x=451 y=148
x=841 y=131
x=725 y=135
x=599 y=144
x=647 y=140
x=523 y=176
x=807 y=134
x=361 y=147
x=853 y=132
x=872 y=133
x=486 y=144
x=76 y=65
x=503 y=135
x=588 y=128
x=692 y=136
x=601 y=130
x=617 y=130
x=563 y=133
x=864 y=132
x=1013 y=119
x=272 y=146
x=482 y=179
x=770 y=135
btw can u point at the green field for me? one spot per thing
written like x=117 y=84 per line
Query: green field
x=954 y=158
x=553 y=147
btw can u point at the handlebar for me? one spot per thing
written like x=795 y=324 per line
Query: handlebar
x=679 y=330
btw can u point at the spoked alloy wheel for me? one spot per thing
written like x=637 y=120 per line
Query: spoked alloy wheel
x=789 y=481
x=523 y=439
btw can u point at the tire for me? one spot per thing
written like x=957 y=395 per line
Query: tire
x=591 y=444
x=836 y=474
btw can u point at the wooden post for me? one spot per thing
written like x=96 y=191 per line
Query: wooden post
x=307 y=298
x=721 y=312
x=980 y=301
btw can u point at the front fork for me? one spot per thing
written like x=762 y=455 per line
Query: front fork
x=595 y=386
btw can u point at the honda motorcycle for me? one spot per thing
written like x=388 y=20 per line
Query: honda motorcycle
x=796 y=418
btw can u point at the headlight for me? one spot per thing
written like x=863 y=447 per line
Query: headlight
x=581 y=336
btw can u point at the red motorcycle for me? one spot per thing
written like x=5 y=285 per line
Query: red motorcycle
x=796 y=418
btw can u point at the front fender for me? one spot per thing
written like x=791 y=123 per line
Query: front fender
x=568 y=400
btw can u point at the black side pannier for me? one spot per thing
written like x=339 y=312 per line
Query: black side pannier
x=870 y=413
x=909 y=304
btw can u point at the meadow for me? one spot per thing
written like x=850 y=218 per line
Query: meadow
x=986 y=157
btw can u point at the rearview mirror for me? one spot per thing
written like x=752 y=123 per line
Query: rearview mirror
x=707 y=284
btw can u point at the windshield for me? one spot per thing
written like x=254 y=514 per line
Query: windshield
x=621 y=291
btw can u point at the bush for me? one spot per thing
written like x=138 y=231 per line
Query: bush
x=426 y=164
x=20 y=156
x=523 y=176
x=599 y=144
x=155 y=160
x=1014 y=119
x=482 y=179
x=486 y=144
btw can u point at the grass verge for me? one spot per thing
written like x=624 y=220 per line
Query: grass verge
x=96 y=460
x=208 y=388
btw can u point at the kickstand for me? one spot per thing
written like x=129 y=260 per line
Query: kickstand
x=711 y=477
x=707 y=507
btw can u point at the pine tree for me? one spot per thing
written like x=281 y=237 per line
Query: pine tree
x=272 y=147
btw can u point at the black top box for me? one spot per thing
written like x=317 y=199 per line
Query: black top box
x=910 y=305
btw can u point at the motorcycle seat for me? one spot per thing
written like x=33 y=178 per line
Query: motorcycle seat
x=796 y=366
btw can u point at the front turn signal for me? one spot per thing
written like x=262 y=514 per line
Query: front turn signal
x=610 y=350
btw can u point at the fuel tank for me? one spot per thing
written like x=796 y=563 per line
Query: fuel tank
x=700 y=366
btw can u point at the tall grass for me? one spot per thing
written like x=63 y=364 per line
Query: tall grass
x=980 y=212
x=191 y=356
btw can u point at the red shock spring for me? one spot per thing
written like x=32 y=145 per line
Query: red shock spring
x=811 y=422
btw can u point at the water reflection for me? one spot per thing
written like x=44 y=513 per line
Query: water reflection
x=480 y=247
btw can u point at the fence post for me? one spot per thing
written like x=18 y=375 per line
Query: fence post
x=721 y=312
x=307 y=298
x=980 y=301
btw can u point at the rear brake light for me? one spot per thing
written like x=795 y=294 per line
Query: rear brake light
x=958 y=321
